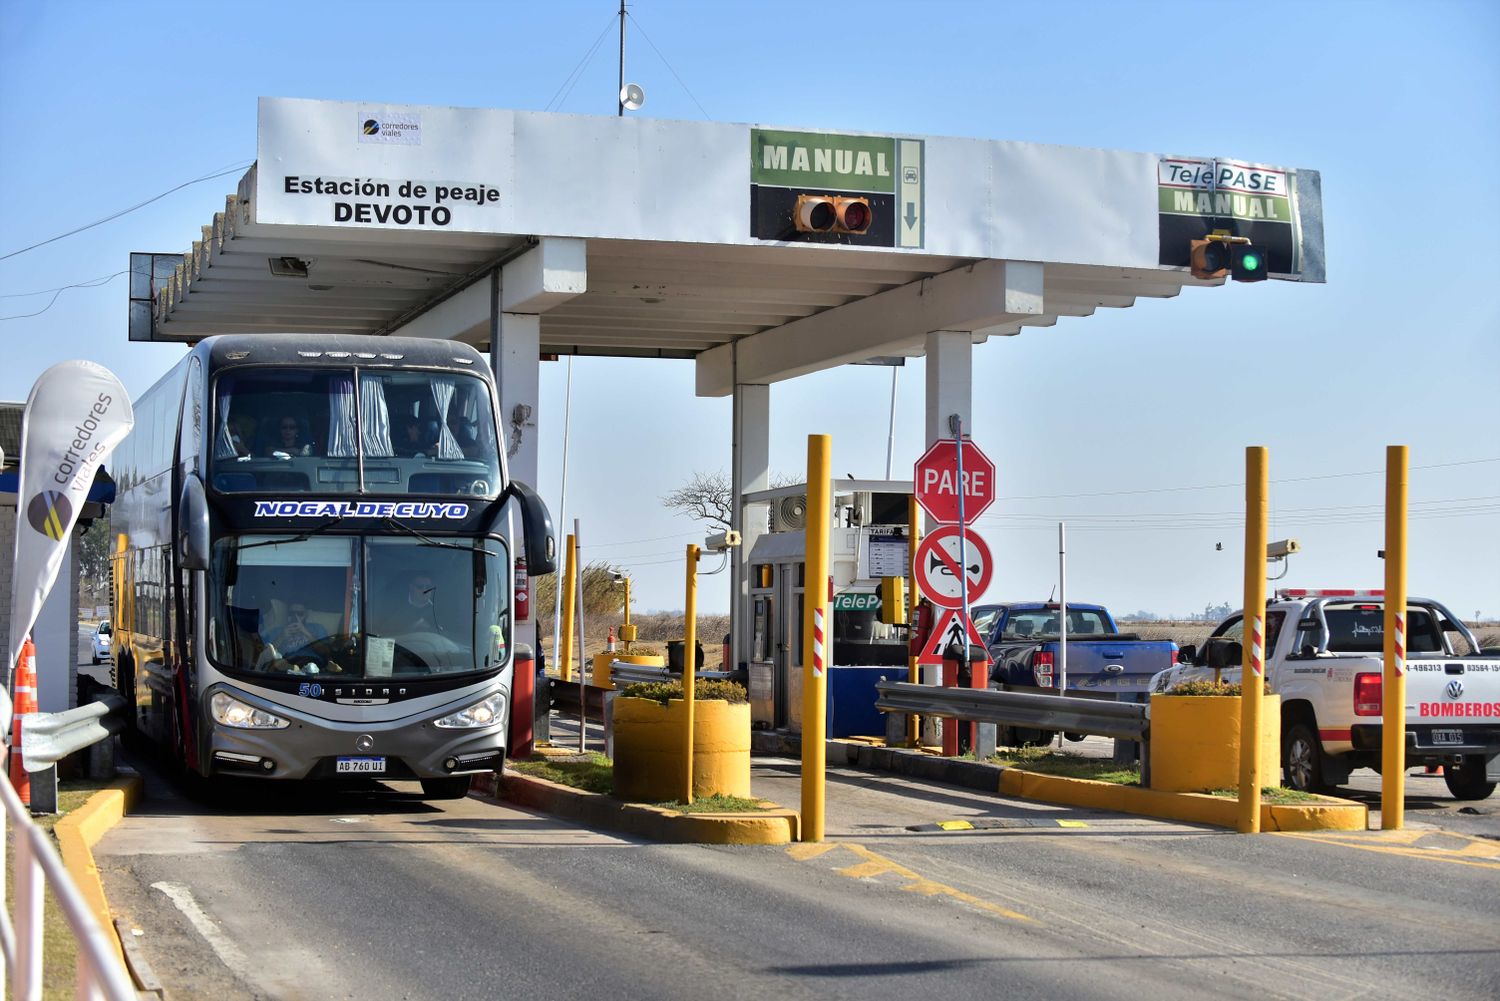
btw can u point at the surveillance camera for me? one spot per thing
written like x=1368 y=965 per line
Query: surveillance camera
x=721 y=541
x=1282 y=548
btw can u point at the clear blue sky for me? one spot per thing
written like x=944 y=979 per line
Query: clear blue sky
x=1130 y=424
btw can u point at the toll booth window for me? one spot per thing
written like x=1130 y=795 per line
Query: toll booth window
x=761 y=641
x=306 y=430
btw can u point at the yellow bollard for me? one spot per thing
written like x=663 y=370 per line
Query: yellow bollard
x=913 y=669
x=564 y=653
x=689 y=669
x=817 y=635
x=1252 y=641
x=1393 y=686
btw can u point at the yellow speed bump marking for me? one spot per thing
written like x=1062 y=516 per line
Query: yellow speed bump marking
x=955 y=825
x=873 y=865
x=1479 y=852
x=1072 y=823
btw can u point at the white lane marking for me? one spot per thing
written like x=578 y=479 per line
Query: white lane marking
x=227 y=951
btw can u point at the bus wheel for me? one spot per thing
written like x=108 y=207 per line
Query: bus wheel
x=455 y=787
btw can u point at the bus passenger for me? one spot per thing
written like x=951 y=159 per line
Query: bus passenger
x=290 y=440
x=412 y=442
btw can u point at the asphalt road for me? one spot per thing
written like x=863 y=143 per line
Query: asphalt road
x=312 y=894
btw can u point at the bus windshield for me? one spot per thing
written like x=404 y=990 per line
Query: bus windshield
x=307 y=430
x=359 y=608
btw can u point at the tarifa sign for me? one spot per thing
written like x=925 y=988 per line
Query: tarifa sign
x=75 y=416
x=1196 y=197
x=885 y=169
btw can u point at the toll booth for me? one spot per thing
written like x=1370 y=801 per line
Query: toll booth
x=868 y=540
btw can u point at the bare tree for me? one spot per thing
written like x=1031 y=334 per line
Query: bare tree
x=704 y=497
x=708 y=497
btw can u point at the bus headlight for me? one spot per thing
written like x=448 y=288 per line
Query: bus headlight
x=230 y=711
x=485 y=712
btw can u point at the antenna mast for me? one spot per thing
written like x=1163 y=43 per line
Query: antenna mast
x=622 y=59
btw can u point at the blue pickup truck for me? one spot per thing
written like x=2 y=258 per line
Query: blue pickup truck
x=1103 y=663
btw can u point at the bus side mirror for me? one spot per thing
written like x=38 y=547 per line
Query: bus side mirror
x=1187 y=654
x=192 y=525
x=536 y=529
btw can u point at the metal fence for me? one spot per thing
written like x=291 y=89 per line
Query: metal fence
x=100 y=977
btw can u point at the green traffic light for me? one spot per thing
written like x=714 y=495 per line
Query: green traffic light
x=1251 y=262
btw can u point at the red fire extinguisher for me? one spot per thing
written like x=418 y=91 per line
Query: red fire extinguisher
x=921 y=627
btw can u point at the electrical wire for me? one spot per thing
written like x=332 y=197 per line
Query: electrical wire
x=571 y=80
x=668 y=65
x=1226 y=486
x=115 y=215
x=56 y=292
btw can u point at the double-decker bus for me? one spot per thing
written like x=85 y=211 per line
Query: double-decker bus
x=313 y=561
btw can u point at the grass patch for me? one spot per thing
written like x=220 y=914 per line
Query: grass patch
x=594 y=773
x=59 y=948
x=703 y=688
x=1279 y=795
x=716 y=803
x=1074 y=766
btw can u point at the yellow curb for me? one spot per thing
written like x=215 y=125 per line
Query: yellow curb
x=774 y=826
x=1329 y=814
x=78 y=833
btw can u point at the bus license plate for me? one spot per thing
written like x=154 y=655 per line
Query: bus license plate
x=1447 y=736
x=360 y=766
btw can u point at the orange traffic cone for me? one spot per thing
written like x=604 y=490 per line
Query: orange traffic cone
x=25 y=702
x=611 y=647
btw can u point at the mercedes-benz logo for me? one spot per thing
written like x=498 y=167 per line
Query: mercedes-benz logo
x=364 y=742
x=1455 y=689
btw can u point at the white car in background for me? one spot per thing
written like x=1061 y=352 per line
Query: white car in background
x=102 y=633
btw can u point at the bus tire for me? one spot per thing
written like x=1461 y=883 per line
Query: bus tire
x=448 y=787
x=1467 y=781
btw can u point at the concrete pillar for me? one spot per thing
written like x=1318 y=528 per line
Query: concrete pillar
x=751 y=460
x=950 y=379
x=515 y=356
x=56 y=636
x=950 y=390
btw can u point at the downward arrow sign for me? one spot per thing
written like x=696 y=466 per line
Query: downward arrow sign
x=911 y=214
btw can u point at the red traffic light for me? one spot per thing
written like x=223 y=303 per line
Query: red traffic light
x=832 y=214
x=854 y=215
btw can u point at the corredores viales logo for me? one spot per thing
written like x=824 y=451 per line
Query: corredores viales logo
x=48 y=512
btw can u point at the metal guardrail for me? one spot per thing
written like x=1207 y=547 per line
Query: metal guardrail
x=38 y=866
x=629 y=674
x=47 y=738
x=1121 y=720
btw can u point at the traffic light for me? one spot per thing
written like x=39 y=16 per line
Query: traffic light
x=1210 y=259
x=832 y=214
x=1247 y=263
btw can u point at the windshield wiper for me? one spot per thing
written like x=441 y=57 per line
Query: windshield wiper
x=301 y=537
x=429 y=541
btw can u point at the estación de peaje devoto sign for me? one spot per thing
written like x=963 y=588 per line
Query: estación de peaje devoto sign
x=497 y=171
